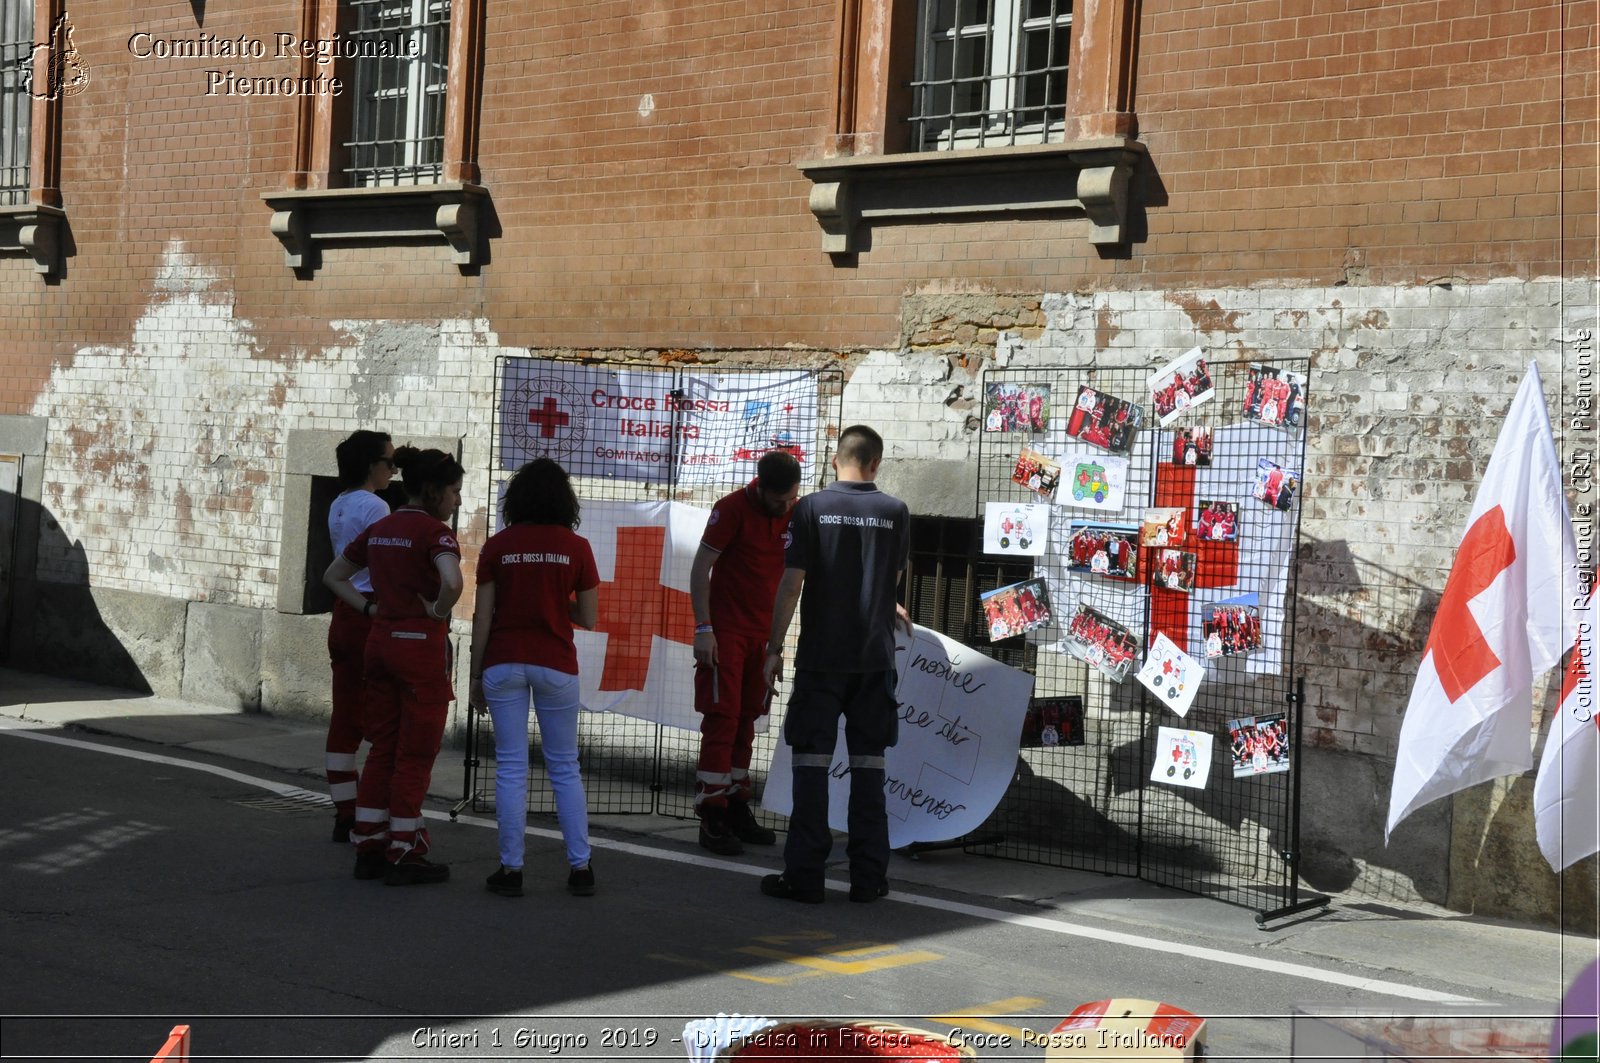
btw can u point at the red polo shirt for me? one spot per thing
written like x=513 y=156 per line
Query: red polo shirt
x=535 y=569
x=744 y=580
x=399 y=552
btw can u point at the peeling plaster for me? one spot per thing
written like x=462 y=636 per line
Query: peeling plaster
x=167 y=468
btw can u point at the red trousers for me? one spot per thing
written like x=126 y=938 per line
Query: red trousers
x=730 y=698
x=347 y=653
x=408 y=698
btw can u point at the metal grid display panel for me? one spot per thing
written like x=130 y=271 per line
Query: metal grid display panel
x=1094 y=806
x=680 y=748
x=630 y=765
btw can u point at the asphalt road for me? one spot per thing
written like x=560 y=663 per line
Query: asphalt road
x=136 y=894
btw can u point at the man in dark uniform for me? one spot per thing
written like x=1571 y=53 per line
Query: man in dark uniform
x=853 y=541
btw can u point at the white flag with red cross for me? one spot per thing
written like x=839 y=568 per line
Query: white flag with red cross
x=1504 y=619
x=639 y=660
x=1566 y=794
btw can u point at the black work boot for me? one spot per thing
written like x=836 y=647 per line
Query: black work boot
x=716 y=834
x=743 y=823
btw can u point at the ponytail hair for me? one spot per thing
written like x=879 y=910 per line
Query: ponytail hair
x=356 y=455
x=426 y=474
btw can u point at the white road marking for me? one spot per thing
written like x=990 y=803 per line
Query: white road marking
x=1167 y=948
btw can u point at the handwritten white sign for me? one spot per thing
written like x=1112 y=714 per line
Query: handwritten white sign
x=960 y=722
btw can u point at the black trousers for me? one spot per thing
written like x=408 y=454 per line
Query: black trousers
x=871 y=724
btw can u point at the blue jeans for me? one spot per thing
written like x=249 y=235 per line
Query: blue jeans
x=506 y=687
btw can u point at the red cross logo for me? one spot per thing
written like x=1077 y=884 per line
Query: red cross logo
x=634 y=606
x=548 y=418
x=1216 y=562
x=1461 y=655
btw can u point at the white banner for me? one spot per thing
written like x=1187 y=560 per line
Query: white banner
x=592 y=419
x=640 y=660
x=960 y=724
x=732 y=419
x=629 y=424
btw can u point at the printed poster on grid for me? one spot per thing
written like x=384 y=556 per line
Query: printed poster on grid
x=1183 y=758
x=1093 y=479
x=1171 y=675
x=1013 y=529
x=632 y=424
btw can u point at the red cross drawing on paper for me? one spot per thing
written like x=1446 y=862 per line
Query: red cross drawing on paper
x=1216 y=563
x=548 y=418
x=634 y=606
x=1461 y=655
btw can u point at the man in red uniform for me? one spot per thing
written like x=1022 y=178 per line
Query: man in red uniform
x=732 y=585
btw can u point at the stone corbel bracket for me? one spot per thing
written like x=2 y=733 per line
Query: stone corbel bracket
x=850 y=195
x=36 y=231
x=306 y=221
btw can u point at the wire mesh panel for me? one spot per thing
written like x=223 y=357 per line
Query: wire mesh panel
x=649 y=451
x=1171 y=503
x=774 y=420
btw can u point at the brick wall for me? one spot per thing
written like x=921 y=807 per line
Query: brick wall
x=641 y=164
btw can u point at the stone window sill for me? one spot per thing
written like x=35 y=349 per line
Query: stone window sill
x=851 y=194
x=36 y=231
x=306 y=221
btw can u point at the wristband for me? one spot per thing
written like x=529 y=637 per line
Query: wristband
x=369 y=609
x=704 y=629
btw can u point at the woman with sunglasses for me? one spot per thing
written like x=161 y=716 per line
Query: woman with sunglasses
x=415 y=564
x=366 y=464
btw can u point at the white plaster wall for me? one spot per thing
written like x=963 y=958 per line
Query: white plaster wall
x=1408 y=387
x=165 y=458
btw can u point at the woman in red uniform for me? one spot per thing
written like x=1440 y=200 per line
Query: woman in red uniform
x=415 y=566
x=536 y=579
x=366 y=464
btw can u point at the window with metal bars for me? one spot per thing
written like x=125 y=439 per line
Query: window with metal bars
x=397 y=118
x=948 y=572
x=990 y=73
x=16 y=100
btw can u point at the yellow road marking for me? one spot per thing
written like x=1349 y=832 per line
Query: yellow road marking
x=701 y=965
x=969 y=1018
x=890 y=958
x=849 y=958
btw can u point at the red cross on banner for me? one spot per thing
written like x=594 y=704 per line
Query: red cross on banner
x=1461 y=655
x=634 y=606
x=1216 y=564
x=548 y=418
